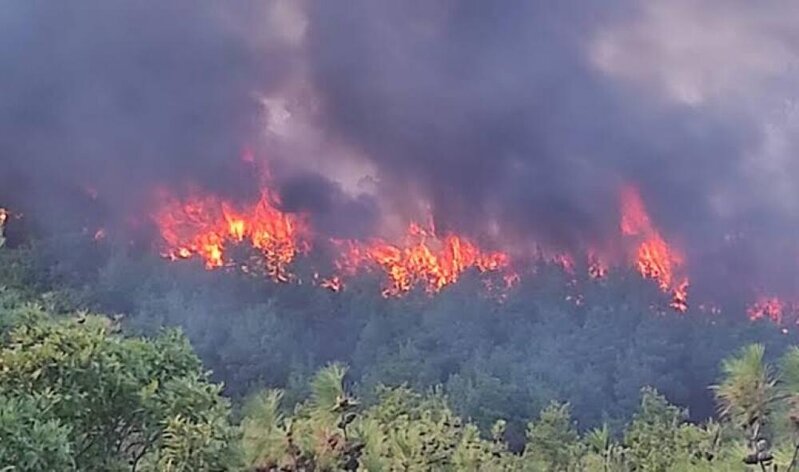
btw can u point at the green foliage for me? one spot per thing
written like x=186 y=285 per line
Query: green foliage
x=263 y=433
x=603 y=452
x=327 y=391
x=494 y=360
x=403 y=430
x=30 y=438
x=552 y=441
x=406 y=430
x=105 y=399
x=116 y=400
x=188 y=444
x=659 y=435
x=314 y=437
x=748 y=392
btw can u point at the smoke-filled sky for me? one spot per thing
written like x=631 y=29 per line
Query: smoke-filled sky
x=517 y=119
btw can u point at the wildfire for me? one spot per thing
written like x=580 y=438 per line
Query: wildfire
x=597 y=268
x=207 y=226
x=679 y=297
x=565 y=261
x=334 y=283
x=653 y=257
x=422 y=259
x=767 y=307
x=3 y=219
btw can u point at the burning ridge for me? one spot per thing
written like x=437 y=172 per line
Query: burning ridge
x=205 y=226
x=423 y=258
x=208 y=227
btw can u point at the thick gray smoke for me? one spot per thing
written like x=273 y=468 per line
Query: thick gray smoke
x=116 y=97
x=522 y=118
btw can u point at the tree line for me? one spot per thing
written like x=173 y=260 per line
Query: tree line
x=191 y=365
x=76 y=393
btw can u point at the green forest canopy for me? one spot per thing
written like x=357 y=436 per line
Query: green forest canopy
x=534 y=383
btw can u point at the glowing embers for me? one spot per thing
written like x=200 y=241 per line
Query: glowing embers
x=652 y=256
x=206 y=226
x=768 y=307
x=422 y=259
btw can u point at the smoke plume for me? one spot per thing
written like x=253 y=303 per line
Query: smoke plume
x=517 y=123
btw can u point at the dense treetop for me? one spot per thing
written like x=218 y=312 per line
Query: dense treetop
x=459 y=381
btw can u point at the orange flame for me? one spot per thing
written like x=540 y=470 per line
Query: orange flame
x=423 y=259
x=653 y=256
x=767 y=307
x=679 y=297
x=207 y=226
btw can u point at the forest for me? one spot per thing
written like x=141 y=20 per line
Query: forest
x=375 y=235
x=114 y=359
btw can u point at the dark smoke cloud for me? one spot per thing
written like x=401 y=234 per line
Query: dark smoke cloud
x=332 y=211
x=526 y=116
x=117 y=97
x=495 y=108
x=526 y=111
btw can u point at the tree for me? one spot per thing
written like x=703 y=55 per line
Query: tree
x=653 y=439
x=314 y=438
x=789 y=391
x=603 y=452
x=127 y=403
x=29 y=439
x=263 y=432
x=747 y=397
x=403 y=430
x=552 y=441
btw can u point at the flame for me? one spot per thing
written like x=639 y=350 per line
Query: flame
x=653 y=257
x=597 y=268
x=206 y=226
x=334 y=283
x=767 y=307
x=422 y=259
x=679 y=297
x=565 y=261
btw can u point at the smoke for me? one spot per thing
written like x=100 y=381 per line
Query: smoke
x=335 y=213
x=516 y=121
x=116 y=98
x=532 y=115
